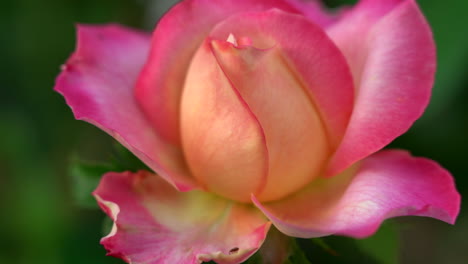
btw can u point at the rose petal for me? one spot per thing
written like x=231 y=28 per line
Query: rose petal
x=359 y=21
x=393 y=63
x=154 y=223
x=307 y=51
x=222 y=140
x=387 y=184
x=176 y=38
x=97 y=83
x=284 y=110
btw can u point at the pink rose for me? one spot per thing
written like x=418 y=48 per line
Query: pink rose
x=254 y=112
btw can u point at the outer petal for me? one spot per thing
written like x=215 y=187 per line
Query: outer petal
x=175 y=40
x=359 y=21
x=393 y=64
x=97 y=83
x=387 y=184
x=154 y=223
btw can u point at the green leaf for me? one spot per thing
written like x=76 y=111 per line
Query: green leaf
x=297 y=255
x=107 y=224
x=85 y=178
x=324 y=245
x=123 y=160
x=86 y=175
x=383 y=246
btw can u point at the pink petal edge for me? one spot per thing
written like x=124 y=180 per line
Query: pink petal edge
x=97 y=82
x=154 y=223
x=387 y=184
x=393 y=64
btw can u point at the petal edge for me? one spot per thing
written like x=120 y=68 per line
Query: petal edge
x=387 y=184
x=97 y=83
x=154 y=223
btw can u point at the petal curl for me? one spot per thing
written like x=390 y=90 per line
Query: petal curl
x=387 y=184
x=284 y=110
x=154 y=223
x=359 y=21
x=97 y=82
x=393 y=64
x=175 y=40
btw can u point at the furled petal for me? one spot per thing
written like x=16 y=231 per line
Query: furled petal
x=154 y=223
x=175 y=40
x=222 y=140
x=284 y=111
x=97 y=83
x=309 y=54
x=387 y=184
x=393 y=65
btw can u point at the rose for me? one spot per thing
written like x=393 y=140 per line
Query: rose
x=253 y=112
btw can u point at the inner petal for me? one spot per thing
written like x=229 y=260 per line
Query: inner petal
x=223 y=142
x=232 y=39
x=311 y=54
x=295 y=136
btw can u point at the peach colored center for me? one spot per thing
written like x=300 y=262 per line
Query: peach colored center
x=248 y=125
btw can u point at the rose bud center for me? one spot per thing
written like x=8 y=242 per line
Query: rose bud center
x=248 y=124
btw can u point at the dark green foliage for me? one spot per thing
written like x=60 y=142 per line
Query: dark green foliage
x=86 y=178
x=297 y=255
x=86 y=175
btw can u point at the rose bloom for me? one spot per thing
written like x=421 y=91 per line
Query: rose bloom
x=254 y=113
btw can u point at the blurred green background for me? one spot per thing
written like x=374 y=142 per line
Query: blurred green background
x=41 y=223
